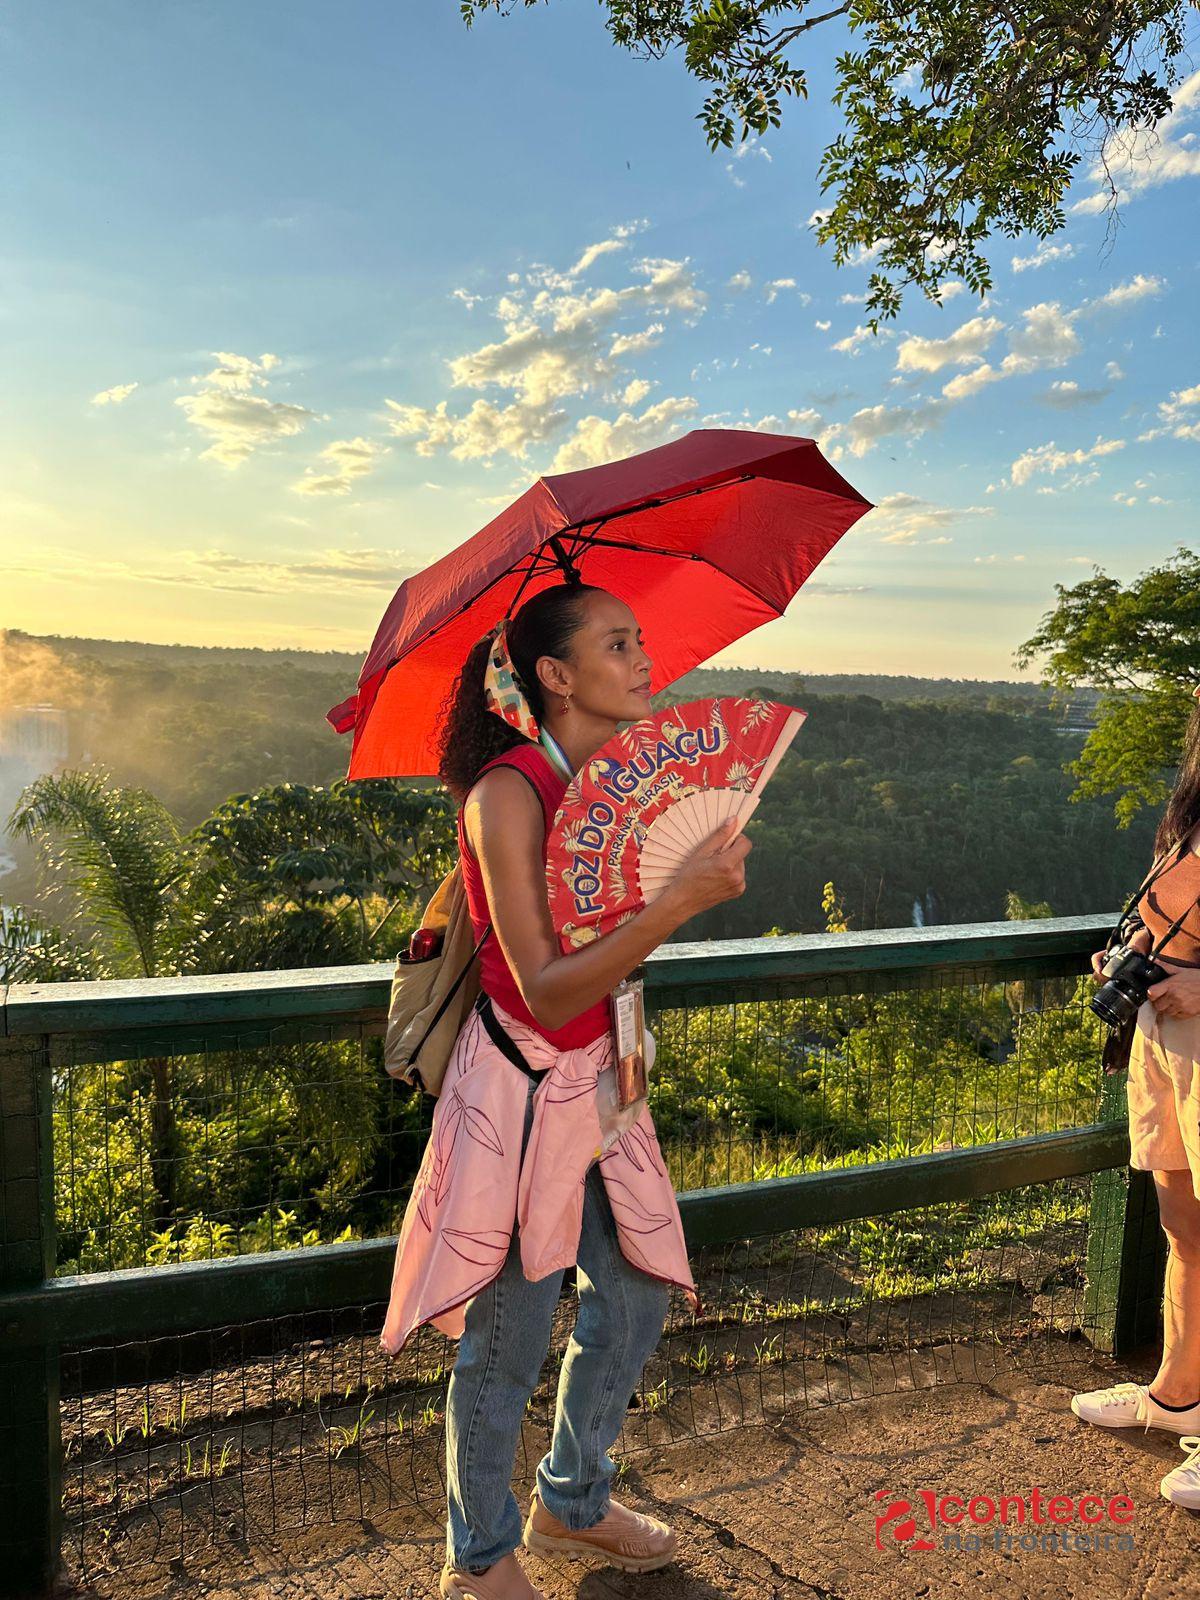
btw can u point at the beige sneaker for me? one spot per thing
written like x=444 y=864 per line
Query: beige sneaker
x=503 y=1581
x=624 y=1538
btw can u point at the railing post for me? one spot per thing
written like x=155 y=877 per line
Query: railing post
x=30 y=1432
x=1126 y=1251
x=1143 y=1268
x=1106 y=1231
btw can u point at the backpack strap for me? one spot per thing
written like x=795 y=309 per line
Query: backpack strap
x=504 y=1041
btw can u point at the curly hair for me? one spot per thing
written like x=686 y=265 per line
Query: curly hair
x=1183 y=808
x=471 y=734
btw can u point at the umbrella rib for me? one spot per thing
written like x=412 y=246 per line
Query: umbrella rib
x=654 y=503
x=576 y=528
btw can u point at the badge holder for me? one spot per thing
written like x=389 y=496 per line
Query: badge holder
x=629 y=1034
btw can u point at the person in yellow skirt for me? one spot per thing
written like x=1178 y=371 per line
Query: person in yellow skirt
x=1164 y=1128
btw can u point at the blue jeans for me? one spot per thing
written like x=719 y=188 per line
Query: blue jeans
x=500 y=1355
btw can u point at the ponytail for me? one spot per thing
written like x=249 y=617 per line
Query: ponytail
x=471 y=734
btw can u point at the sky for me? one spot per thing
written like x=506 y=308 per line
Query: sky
x=296 y=297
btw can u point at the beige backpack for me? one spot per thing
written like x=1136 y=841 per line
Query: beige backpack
x=432 y=994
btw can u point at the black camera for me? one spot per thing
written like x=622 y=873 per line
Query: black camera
x=1128 y=975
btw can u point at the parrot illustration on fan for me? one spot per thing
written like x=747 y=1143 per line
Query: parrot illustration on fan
x=647 y=798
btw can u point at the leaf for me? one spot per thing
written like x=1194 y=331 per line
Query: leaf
x=482 y=1249
x=482 y=1129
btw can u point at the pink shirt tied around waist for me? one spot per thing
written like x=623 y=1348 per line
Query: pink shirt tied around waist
x=473 y=1186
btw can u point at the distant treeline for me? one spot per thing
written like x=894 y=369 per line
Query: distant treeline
x=943 y=792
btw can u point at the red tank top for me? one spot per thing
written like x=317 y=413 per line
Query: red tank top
x=495 y=977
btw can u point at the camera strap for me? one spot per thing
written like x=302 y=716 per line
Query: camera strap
x=1175 y=927
x=1157 y=868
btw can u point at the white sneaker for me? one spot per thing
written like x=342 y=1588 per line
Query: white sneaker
x=1119 y=1406
x=1152 y=1415
x=1181 y=1486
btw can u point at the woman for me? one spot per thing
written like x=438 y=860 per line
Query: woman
x=518 y=1125
x=1164 y=1131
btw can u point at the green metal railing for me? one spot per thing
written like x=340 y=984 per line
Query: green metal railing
x=48 y=1031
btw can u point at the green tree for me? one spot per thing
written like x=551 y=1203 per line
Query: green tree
x=962 y=121
x=1140 y=645
x=299 y=875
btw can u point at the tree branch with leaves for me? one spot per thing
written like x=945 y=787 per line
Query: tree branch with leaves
x=963 y=121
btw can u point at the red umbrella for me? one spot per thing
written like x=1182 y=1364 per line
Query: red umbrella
x=705 y=538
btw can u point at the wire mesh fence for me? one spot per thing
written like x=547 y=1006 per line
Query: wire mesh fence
x=173 y=1444
x=223 y=1148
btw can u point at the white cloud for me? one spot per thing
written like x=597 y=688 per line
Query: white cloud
x=237 y=420
x=960 y=348
x=617 y=241
x=351 y=459
x=1048 y=458
x=777 y=286
x=951 y=290
x=468 y=299
x=748 y=147
x=853 y=342
x=1176 y=416
x=822 y=327
x=1043 y=256
x=852 y=299
x=1138 y=288
x=115 y=395
x=598 y=439
x=559 y=345
x=1113 y=371
x=968 y=383
x=1047 y=339
x=636 y=392
x=867 y=427
x=740 y=280
x=1180 y=400
x=626 y=344
x=805 y=422
x=907 y=517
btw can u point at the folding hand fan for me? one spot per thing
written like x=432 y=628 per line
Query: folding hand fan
x=645 y=800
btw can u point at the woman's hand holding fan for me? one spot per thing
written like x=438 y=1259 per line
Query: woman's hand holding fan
x=714 y=872
x=644 y=813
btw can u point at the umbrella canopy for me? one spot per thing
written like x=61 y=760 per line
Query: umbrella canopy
x=704 y=538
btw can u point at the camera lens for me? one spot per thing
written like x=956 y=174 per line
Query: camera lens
x=1115 y=1003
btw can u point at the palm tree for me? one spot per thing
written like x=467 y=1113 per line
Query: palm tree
x=114 y=853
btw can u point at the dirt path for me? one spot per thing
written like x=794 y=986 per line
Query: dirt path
x=788 y=1509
